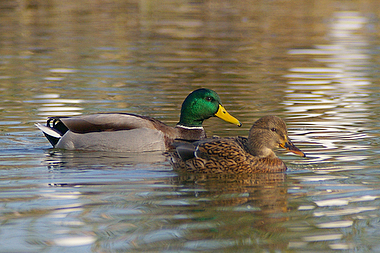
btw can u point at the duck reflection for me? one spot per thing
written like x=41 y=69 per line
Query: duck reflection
x=250 y=206
x=56 y=159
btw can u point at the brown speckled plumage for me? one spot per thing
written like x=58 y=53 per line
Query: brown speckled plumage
x=239 y=154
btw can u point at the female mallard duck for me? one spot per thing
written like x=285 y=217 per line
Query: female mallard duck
x=238 y=154
x=125 y=132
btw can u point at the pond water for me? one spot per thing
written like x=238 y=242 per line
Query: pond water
x=313 y=63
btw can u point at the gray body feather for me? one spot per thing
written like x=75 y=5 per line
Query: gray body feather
x=135 y=140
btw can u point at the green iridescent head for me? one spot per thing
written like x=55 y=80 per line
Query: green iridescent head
x=202 y=104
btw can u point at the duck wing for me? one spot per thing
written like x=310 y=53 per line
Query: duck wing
x=224 y=148
x=57 y=127
x=187 y=149
x=104 y=122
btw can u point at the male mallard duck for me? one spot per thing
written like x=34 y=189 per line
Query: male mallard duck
x=125 y=132
x=238 y=154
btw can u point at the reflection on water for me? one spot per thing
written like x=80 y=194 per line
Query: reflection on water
x=53 y=105
x=75 y=159
x=306 y=61
x=335 y=94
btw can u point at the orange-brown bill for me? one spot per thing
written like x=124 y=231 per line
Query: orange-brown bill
x=288 y=145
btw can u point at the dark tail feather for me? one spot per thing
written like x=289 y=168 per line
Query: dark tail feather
x=51 y=134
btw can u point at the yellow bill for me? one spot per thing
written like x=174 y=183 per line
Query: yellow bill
x=224 y=115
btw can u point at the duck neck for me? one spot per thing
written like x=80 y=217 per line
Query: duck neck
x=256 y=149
x=179 y=125
x=190 y=133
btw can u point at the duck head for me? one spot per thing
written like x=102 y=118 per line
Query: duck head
x=268 y=133
x=202 y=104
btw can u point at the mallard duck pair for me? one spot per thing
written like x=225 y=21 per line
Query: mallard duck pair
x=129 y=132
x=123 y=132
x=238 y=154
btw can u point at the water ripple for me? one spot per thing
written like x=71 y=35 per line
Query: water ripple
x=334 y=96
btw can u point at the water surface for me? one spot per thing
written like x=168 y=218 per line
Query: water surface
x=313 y=63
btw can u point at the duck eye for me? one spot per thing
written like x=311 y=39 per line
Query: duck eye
x=209 y=99
x=273 y=129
